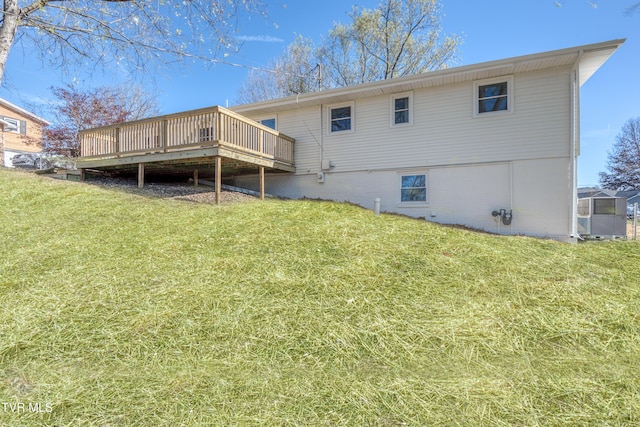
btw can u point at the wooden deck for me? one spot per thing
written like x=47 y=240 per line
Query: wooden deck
x=214 y=138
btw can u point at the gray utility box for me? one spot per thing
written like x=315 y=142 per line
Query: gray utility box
x=602 y=217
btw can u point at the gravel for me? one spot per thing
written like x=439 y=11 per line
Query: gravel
x=200 y=194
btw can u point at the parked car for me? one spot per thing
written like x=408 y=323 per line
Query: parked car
x=42 y=161
x=28 y=160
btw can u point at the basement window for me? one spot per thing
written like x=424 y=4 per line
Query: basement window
x=413 y=188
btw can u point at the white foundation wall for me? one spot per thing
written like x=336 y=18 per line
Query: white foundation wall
x=535 y=191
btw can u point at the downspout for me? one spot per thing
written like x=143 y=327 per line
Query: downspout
x=321 y=137
x=574 y=146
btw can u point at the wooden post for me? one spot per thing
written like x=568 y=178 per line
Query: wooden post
x=261 y=182
x=140 y=175
x=218 y=178
x=219 y=132
x=83 y=174
x=195 y=177
x=164 y=135
x=117 y=142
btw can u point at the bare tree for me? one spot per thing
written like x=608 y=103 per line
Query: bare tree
x=399 y=38
x=129 y=34
x=624 y=159
x=629 y=10
x=77 y=109
x=295 y=71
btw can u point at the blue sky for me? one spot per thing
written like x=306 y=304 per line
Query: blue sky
x=491 y=29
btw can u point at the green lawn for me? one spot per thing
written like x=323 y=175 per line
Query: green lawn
x=123 y=310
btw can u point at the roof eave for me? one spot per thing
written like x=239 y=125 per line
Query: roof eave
x=24 y=112
x=591 y=57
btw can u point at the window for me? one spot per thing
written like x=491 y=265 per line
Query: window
x=341 y=118
x=414 y=188
x=270 y=123
x=401 y=109
x=14 y=125
x=493 y=96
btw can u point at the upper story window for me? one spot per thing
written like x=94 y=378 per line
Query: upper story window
x=402 y=109
x=270 y=123
x=341 y=118
x=13 y=125
x=493 y=95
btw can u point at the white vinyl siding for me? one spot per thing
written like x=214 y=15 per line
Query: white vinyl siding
x=444 y=130
x=304 y=123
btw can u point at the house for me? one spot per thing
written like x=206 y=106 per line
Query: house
x=632 y=196
x=21 y=132
x=492 y=146
x=595 y=192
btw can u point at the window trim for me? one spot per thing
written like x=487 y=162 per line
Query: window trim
x=413 y=203
x=393 y=98
x=486 y=82
x=351 y=105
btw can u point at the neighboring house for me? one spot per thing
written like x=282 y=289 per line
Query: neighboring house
x=632 y=196
x=595 y=192
x=492 y=146
x=21 y=132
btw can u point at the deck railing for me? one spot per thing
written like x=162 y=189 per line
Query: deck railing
x=214 y=126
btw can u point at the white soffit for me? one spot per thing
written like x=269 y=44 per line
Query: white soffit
x=592 y=60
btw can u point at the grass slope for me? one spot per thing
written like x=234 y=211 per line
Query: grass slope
x=121 y=310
